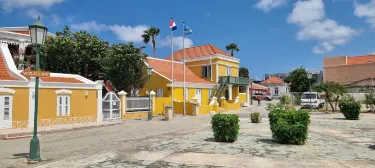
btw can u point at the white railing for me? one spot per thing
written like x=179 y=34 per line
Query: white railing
x=138 y=103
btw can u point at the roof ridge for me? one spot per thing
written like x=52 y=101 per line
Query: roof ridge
x=178 y=62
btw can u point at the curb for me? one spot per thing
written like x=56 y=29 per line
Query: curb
x=28 y=133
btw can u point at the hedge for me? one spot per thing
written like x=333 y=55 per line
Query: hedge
x=350 y=109
x=225 y=127
x=289 y=126
x=255 y=117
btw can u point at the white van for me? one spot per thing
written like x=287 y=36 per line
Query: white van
x=312 y=97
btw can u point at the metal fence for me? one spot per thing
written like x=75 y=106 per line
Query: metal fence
x=138 y=103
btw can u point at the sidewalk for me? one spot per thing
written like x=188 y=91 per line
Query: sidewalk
x=6 y=134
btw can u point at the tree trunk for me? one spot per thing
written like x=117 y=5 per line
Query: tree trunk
x=153 y=45
x=231 y=53
x=330 y=102
x=336 y=102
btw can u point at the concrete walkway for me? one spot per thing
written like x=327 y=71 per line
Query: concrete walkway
x=188 y=142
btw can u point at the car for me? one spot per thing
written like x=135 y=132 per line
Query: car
x=264 y=96
x=276 y=96
x=312 y=99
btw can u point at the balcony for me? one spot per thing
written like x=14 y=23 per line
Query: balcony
x=233 y=80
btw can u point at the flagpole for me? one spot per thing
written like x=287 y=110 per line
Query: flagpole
x=172 y=72
x=183 y=53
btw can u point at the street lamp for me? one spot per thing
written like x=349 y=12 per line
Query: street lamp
x=251 y=92
x=38 y=34
x=309 y=75
x=149 y=71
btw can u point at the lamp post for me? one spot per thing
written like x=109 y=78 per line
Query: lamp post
x=251 y=92
x=149 y=71
x=38 y=34
x=309 y=75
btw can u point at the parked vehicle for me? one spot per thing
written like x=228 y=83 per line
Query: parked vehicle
x=276 y=96
x=264 y=96
x=312 y=99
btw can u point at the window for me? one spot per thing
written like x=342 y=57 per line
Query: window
x=159 y=92
x=206 y=71
x=63 y=105
x=276 y=91
x=210 y=93
x=229 y=71
x=6 y=107
x=186 y=93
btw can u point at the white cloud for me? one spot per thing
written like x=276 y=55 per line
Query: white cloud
x=310 y=17
x=55 y=20
x=9 y=5
x=268 y=5
x=33 y=13
x=366 y=10
x=131 y=33
x=177 y=42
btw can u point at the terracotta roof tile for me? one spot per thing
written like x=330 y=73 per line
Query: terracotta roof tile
x=258 y=87
x=164 y=67
x=361 y=59
x=198 y=51
x=4 y=73
x=60 y=80
x=273 y=79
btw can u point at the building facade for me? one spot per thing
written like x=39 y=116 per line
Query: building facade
x=356 y=71
x=276 y=86
x=63 y=98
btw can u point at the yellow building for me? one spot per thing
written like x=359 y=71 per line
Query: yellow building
x=63 y=98
x=209 y=72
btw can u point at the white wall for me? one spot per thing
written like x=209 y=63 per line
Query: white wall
x=282 y=89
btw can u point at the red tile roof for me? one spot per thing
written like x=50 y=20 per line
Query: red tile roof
x=60 y=80
x=164 y=67
x=258 y=87
x=4 y=72
x=198 y=51
x=361 y=59
x=273 y=79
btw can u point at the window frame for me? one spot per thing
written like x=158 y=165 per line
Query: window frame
x=276 y=91
x=206 y=71
x=63 y=107
x=159 y=92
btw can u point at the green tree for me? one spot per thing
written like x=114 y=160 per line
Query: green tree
x=232 y=47
x=124 y=66
x=74 y=53
x=150 y=34
x=299 y=80
x=333 y=91
x=243 y=72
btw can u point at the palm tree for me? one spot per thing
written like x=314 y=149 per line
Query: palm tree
x=150 y=34
x=232 y=47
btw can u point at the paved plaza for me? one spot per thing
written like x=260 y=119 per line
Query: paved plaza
x=188 y=142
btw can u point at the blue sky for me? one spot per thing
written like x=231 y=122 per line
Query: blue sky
x=273 y=35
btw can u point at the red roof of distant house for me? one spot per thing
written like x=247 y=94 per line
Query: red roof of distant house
x=361 y=59
x=258 y=87
x=273 y=79
x=164 y=67
x=198 y=51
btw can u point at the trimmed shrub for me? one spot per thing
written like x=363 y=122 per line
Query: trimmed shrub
x=289 y=127
x=350 y=109
x=255 y=117
x=225 y=127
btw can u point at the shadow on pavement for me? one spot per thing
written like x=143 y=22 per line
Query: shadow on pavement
x=20 y=155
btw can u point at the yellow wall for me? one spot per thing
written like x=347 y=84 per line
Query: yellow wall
x=20 y=109
x=206 y=109
x=157 y=81
x=229 y=63
x=160 y=103
x=79 y=104
x=242 y=97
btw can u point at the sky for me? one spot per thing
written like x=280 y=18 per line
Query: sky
x=273 y=36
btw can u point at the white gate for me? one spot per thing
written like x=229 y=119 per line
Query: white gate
x=111 y=107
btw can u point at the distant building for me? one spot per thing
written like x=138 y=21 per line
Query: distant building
x=276 y=86
x=356 y=72
x=317 y=74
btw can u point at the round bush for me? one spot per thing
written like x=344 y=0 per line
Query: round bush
x=350 y=109
x=225 y=127
x=255 y=117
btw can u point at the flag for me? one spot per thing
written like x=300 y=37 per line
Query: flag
x=187 y=30
x=172 y=25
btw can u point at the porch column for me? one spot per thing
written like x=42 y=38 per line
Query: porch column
x=229 y=92
x=247 y=94
x=122 y=95
x=99 y=97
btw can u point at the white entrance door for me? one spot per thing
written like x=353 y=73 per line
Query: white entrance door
x=6 y=111
x=198 y=95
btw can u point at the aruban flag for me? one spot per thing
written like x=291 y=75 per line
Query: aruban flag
x=187 y=30
x=172 y=25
